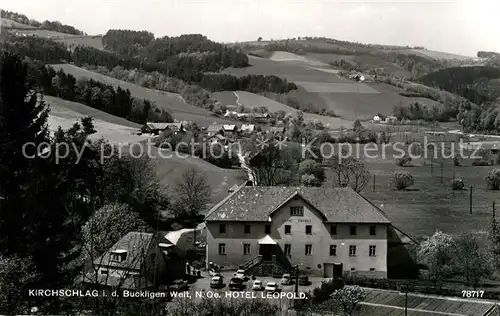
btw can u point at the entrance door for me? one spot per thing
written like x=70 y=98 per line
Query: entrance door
x=328 y=270
x=337 y=270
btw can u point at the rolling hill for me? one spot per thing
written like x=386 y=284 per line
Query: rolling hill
x=122 y=132
x=171 y=102
x=322 y=88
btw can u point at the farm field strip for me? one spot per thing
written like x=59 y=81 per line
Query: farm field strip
x=323 y=87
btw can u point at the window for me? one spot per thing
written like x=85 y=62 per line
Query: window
x=372 y=251
x=308 y=250
x=372 y=269
x=268 y=229
x=222 y=228
x=297 y=211
x=104 y=272
x=288 y=229
x=309 y=229
x=352 y=230
x=247 y=228
x=373 y=230
x=153 y=258
x=353 y=269
x=288 y=249
x=246 y=249
x=222 y=249
x=352 y=251
x=333 y=229
x=333 y=250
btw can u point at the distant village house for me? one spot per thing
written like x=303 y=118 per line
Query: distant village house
x=157 y=128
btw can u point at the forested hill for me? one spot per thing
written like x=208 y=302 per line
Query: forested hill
x=46 y=25
x=189 y=66
x=478 y=84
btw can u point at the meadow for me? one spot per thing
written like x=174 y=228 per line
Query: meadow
x=171 y=102
x=84 y=40
x=430 y=204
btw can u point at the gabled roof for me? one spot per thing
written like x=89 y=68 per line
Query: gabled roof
x=228 y=127
x=215 y=128
x=248 y=127
x=338 y=205
x=136 y=245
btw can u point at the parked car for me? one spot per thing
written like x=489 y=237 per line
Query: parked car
x=213 y=273
x=179 y=285
x=257 y=285
x=272 y=287
x=236 y=284
x=286 y=279
x=240 y=274
x=216 y=282
x=304 y=280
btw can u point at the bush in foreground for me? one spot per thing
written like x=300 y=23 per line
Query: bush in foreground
x=457 y=184
x=493 y=179
x=401 y=180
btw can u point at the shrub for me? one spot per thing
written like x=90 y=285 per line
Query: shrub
x=457 y=184
x=404 y=161
x=457 y=161
x=327 y=288
x=493 y=179
x=401 y=180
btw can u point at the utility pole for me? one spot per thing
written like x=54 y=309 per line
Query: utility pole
x=296 y=285
x=441 y=172
x=452 y=189
x=373 y=183
x=406 y=302
x=493 y=206
x=470 y=199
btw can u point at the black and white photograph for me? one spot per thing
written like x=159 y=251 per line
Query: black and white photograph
x=251 y=158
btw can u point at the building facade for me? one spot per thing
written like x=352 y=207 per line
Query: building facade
x=314 y=228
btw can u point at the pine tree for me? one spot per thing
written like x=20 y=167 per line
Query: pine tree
x=23 y=129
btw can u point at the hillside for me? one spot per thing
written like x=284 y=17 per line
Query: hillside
x=252 y=100
x=321 y=88
x=477 y=84
x=120 y=131
x=171 y=102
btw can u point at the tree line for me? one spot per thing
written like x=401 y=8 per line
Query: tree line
x=46 y=25
x=95 y=94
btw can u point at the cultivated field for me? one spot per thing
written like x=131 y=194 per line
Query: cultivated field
x=171 y=102
x=321 y=88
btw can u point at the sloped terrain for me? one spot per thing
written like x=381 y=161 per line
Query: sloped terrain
x=122 y=132
x=171 y=102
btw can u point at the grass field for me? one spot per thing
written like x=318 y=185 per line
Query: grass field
x=171 y=102
x=430 y=204
x=252 y=100
x=86 y=40
x=120 y=131
x=438 y=55
x=13 y=24
x=42 y=33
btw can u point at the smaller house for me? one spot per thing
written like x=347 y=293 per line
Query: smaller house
x=276 y=130
x=378 y=118
x=137 y=261
x=261 y=117
x=391 y=119
x=247 y=128
x=229 y=130
x=157 y=128
x=215 y=129
x=218 y=139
